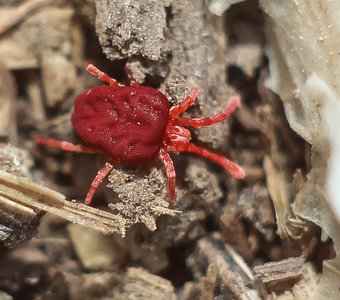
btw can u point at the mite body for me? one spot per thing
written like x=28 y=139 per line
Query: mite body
x=128 y=123
x=134 y=125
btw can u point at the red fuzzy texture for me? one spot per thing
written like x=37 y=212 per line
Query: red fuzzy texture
x=128 y=123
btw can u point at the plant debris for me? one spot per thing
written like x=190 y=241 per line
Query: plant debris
x=270 y=236
x=140 y=197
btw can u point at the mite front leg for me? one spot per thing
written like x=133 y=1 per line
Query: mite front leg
x=132 y=81
x=67 y=146
x=182 y=107
x=170 y=173
x=102 y=173
x=232 y=105
x=101 y=75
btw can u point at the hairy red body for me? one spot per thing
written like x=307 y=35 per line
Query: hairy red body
x=128 y=123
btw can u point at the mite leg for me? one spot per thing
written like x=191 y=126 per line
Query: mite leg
x=219 y=159
x=232 y=105
x=102 y=173
x=67 y=146
x=132 y=81
x=101 y=75
x=170 y=173
x=189 y=100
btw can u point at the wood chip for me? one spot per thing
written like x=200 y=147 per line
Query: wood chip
x=289 y=226
x=26 y=197
x=48 y=29
x=22 y=12
x=140 y=284
x=95 y=250
x=8 y=130
x=233 y=278
x=291 y=274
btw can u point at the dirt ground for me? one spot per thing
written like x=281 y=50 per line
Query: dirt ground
x=223 y=238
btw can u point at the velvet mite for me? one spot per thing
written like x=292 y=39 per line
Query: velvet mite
x=134 y=125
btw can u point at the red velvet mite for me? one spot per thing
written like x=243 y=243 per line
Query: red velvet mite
x=134 y=125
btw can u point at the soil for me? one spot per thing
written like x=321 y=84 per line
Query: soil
x=223 y=238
